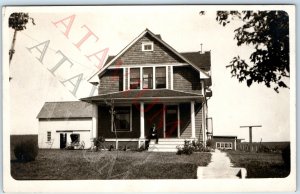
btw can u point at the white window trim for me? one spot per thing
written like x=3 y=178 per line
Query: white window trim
x=124 y=76
x=112 y=126
x=154 y=77
x=230 y=145
x=147 y=43
x=172 y=81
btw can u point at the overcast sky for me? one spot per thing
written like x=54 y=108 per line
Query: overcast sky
x=232 y=104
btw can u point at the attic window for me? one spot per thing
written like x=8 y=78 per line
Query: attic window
x=147 y=46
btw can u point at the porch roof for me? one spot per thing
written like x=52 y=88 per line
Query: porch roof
x=159 y=95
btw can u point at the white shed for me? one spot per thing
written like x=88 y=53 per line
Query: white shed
x=62 y=122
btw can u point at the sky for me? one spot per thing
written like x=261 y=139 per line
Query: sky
x=233 y=104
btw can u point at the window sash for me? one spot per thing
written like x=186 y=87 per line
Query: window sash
x=147 y=78
x=160 y=77
x=134 y=78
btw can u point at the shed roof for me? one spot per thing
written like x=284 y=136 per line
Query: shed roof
x=66 y=109
x=224 y=136
x=136 y=95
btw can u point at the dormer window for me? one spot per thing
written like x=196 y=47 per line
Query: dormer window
x=147 y=46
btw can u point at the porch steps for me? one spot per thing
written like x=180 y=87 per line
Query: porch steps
x=165 y=145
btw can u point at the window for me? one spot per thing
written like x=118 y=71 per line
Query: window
x=160 y=77
x=147 y=78
x=75 y=138
x=147 y=46
x=123 y=118
x=135 y=78
x=49 y=136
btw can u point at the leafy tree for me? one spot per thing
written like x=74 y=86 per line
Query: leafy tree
x=268 y=32
x=18 y=22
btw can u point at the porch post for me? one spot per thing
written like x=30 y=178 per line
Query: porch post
x=94 y=121
x=164 y=120
x=142 y=123
x=193 y=119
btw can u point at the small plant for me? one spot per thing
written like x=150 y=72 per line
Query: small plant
x=26 y=151
x=98 y=142
x=111 y=147
x=209 y=143
x=187 y=148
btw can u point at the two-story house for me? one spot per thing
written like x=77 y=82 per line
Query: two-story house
x=146 y=83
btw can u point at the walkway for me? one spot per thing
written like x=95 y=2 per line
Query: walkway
x=220 y=167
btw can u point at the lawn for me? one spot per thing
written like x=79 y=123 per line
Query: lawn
x=260 y=165
x=83 y=164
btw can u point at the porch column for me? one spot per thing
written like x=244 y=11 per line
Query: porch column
x=142 y=123
x=193 y=119
x=95 y=121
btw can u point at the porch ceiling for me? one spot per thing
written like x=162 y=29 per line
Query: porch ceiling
x=134 y=96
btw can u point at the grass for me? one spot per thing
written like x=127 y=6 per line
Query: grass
x=260 y=165
x=83 y=164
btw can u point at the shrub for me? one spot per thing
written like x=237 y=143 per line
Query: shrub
x=286 y=156
x=198 y=146
x=209 y=143
x=187 y=148
x=98 y=142
x=26 y=151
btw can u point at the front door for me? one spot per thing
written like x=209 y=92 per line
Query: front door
x=171 y=121
x=63 y=140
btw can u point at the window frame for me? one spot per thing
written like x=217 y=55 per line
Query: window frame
x=49 y=134
x=147 y=44
x=166 y=72
x=139 y=79
x=152 y=78
x=130 y=120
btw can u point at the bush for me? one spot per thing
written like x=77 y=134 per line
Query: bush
x=98 y=142
x=286 y=156
x=187 y=148
x=26 y=151
x=209 y=143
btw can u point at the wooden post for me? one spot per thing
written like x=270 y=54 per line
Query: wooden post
x=250 y=134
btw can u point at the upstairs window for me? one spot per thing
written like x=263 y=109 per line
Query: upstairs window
x=160 y=75
x=135 y=78
x=147 y=46
x=147 y=78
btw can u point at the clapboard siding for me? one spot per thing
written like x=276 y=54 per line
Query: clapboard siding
x=185 y=78
x=111 y=81
x=185 y=120
x=159 y=55
x=198 y=121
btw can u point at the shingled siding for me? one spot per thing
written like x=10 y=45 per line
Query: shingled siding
x=198 y=121
x=111 y=81
x=159 y=55
x=185 y=120
x=104 y=126
x=186 y=79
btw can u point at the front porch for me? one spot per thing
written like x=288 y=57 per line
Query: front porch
x=128 y=120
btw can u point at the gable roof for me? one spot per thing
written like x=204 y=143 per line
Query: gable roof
x=203 y=74
x=67 y=109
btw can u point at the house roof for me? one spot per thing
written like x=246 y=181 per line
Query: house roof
x=153 y=95
x=203 y=74
x=201 y=60
x=67 y=109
